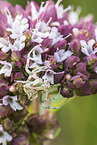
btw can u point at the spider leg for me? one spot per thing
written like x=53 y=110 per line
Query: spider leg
x=35 y=96
x=50 y=99
x=54 y=107
x=46 y=96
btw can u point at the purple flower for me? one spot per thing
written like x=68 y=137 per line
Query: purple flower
x=71 y=62
x=65 y=91
x=75 y=46
x=77 y=81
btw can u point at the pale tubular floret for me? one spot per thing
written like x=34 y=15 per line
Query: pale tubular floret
x=73 y=16
x=41 y=31
x=86 y=48
x=4 y=137
x=34 y=13
x=8 y=16
x=6 y=69
x=60 y=10
x=62 y=55
x=19 y=26
x=12 y=101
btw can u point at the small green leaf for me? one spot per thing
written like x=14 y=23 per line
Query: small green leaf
x=58 y=130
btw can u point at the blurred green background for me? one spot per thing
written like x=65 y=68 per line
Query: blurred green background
x=88 y=6
x=78 y=117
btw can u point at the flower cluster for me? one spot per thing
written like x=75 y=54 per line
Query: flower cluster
x=41 y=47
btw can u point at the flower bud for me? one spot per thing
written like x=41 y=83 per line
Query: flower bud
x=7 y=124
x=65 y=91
x=91 y=59
x=21 y=140
x=81 y=67
x=84 y=90
x=93 y=84
x=16 y=56
x=36 y=124
x=78 y=82
x=75 y=45
x=3 y=90
x=3 y=55
x=49 y=135
x=68 y=77
x=75 y=32
x=19 y=76
x=5 y=111
x=71 y=62
x=12 y=88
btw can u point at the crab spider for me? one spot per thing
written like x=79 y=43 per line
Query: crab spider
x=35 y=85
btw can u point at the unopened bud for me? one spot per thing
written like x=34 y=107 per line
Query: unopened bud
x=12 y=89
x=75 y=32
x=16 y=56
x=68 y=77
x=49 y=135
x=55 y=24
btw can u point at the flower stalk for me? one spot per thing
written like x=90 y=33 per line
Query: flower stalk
x=35 y=104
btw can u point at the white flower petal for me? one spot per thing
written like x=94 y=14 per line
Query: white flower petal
x=55 y=35
x=90 y=44
x=24 y=21
x=87 y=48
x=59 y=9
x=18 y=106
x=49 y=76
x=96 y=34
x=14 y=98
x=8 y=15
x=19 y=26
x=4 y=44
x=84 y=47
x=2 y=140
x=61 y=55
x=95 y=69
x=41 y=31
x=5 y=101
x=5 y=136
x=6 y=69
x=12 y=101
x=34 y=11
x=36 y=39
x=19 y=44
x=24 y=28
x=73 y=17
x=66 y=54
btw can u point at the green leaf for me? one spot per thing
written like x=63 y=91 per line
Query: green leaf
x=59 y=99
x=58 y=130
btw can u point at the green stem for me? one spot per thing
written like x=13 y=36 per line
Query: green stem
x=36 y=106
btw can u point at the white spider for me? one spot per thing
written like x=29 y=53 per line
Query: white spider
x=34 y=85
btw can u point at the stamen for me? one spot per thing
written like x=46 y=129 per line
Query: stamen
x=58 y=2
x=49 y=20
x=67 y=9
x=68 y=36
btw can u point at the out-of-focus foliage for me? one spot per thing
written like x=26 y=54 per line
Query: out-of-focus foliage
x=78 y=122
x=88 y=6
